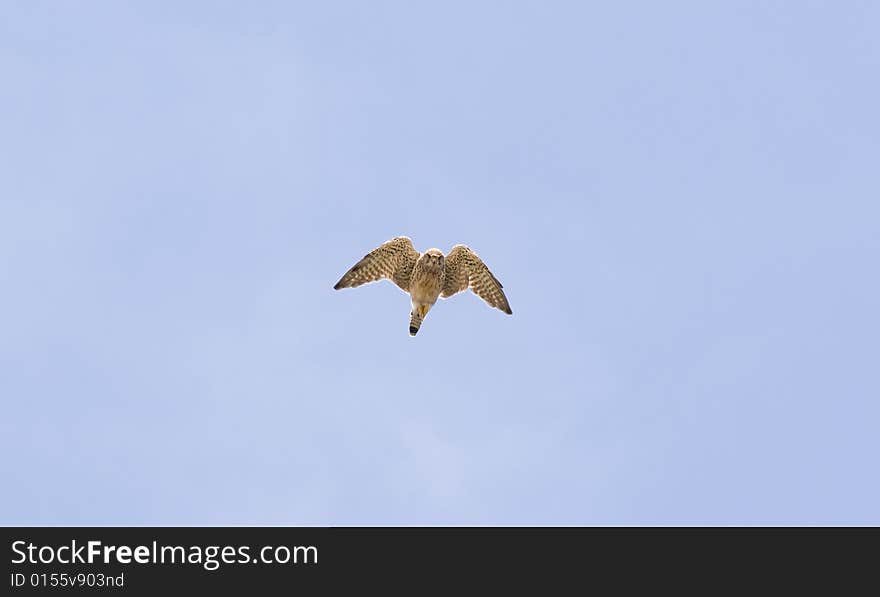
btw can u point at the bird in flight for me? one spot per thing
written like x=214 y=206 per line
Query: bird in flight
x=426 y=276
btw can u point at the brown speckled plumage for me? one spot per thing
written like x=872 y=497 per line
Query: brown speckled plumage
x=426 y=276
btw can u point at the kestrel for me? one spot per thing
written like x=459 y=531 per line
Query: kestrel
x=426 y=276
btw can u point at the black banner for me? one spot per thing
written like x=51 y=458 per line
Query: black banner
x=141 y=560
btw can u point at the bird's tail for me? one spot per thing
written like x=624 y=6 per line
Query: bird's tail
x=415 y=322
x=417 y=316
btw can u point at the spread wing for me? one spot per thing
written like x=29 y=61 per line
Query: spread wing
x=393 y=260
x=464 y=269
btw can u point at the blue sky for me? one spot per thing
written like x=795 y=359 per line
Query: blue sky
x=680 y=198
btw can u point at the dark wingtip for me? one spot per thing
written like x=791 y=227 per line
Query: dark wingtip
x=413 y=331
x=338 y=285
x=509 y=311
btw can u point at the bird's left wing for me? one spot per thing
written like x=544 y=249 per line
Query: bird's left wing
x=464 y=269
x=393 y=260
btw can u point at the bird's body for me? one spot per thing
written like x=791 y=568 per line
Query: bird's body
x=426 y=276
x=425 y=286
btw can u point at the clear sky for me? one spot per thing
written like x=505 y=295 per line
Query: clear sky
x=682 y=200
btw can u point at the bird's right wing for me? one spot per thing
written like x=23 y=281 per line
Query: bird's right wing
x=393 y=260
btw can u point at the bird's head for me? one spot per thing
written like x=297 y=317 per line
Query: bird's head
x=433 y=258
